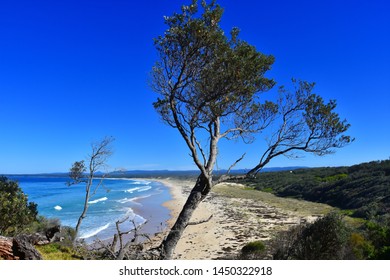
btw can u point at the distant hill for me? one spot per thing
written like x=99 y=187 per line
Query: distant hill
x=364 y=188
x=162 y=173
x=189 y=173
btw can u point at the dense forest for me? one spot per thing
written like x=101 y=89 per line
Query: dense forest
x=363 y=189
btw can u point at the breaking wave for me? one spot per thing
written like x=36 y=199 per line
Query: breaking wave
x=138 y=189
x=97 y=200
x=93 y=232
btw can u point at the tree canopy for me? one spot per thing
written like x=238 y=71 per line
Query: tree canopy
x=209 y=82
x=16 y=213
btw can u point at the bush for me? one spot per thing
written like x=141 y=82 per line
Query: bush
x=361 y=248
x=253 y=250
x=379 y=235
x=325 y=239
x=17 y=214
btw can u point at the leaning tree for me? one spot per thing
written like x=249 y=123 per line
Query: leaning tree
x=209 y=87
x=80 y=173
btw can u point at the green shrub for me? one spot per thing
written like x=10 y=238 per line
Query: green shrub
x=325 y=239
x=379 y=235
x=253 y=250
x=17 y=214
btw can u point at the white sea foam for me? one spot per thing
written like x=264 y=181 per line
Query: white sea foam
x=141 y=183
x=138 y=189
x=97 y=200
x=125 y=200
x=133 y=199
x=144 y=189
x=139 y=220
x=93 y=232
x=58 y=208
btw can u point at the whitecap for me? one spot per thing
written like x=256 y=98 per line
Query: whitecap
x=141 y=183
x=133 y=199
x=58 y=208
x=144 y=189
x=138 y=189
x=97 y=200
x=124 y=200
x=132 y=190
x=138 y=219
x=95 y=231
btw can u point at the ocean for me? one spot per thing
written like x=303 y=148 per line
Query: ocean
x=116 y=199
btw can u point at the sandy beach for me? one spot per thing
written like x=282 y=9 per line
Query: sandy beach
x=237 y=219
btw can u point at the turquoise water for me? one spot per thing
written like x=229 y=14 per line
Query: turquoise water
x=116 y=199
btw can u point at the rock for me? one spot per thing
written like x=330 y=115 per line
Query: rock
x=37 y=239
x=23 y=249
x=6 y=252
x=51 y=232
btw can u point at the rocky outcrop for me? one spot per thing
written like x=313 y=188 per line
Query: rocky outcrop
x=6 y=252
x=23 y=249
x=18 y=248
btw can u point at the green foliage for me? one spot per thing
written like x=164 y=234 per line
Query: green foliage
x=362 y=189
x=68 y=235
x=331 y=238
x=269 y=190
x=325 y=239
x=76 y=172
x=56 y=251
x=42 y=224
x=253 y=250
x=361 y=247
x=379 y=234
x=203 y=74
x=17 y=214
x=332 y=178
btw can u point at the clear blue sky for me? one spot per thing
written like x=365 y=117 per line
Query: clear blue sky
x=74 y=71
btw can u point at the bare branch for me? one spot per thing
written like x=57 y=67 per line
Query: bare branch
x=226 y=176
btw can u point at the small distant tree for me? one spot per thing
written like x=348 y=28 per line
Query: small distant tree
x=81 y=173
x=209 y=87
x=16 y=213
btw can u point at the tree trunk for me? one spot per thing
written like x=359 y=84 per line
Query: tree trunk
x=199 y=192
x=84 y=213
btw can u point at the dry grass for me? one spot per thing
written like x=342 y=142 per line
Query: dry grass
x=299 y=207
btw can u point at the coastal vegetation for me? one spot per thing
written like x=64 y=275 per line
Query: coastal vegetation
x=361 y=227
x=361 y=190
x=342 y=233
x=17 y=213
